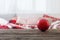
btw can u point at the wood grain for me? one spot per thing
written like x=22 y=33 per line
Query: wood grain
x=18 y=34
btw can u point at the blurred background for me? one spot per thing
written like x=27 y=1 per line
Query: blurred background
x=29 y=10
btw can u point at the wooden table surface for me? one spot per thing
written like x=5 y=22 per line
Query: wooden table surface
x=18 y=34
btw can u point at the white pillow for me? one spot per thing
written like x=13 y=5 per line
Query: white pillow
x=54 y=25
x=3 y=21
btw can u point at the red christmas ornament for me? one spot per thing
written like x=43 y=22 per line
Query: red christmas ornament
x=43 y=25
x=32 y=27
x=12 y=21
